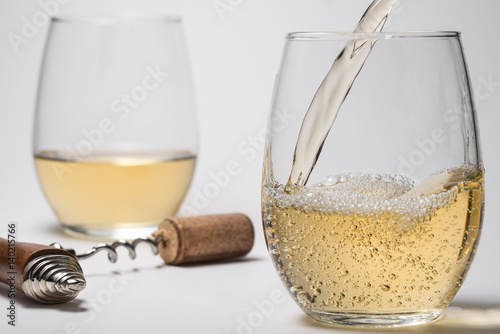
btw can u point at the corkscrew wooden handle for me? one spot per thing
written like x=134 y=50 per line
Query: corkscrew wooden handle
x=25 y=265
x=15 y=256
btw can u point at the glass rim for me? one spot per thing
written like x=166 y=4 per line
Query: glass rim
x=336 y=35
x=125 y=18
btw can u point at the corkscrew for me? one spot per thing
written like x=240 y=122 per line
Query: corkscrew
x=52 y=274
x=111 y=248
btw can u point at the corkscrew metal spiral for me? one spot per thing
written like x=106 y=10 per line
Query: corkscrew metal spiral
x=111 y=248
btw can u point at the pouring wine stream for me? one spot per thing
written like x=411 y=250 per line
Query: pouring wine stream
x=332 y=92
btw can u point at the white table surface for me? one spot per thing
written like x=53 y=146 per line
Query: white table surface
x=146 y=296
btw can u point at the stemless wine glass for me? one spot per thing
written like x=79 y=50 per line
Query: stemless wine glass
x=386 y=228
x=115 y=134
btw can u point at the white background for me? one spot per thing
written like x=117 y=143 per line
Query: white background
x=235 y=56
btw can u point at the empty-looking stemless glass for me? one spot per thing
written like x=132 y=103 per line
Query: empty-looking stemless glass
x=384 y=231
x=115 y=134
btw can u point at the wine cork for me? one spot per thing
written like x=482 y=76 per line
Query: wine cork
x=204 y=238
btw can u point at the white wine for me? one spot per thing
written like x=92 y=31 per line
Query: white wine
x=375 y=244
x=104 y=192
x=333 y=91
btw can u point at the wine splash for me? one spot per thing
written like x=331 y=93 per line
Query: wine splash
x=333 y=90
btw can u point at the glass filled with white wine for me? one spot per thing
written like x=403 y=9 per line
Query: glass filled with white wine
x=374 y=220
x=115 y=133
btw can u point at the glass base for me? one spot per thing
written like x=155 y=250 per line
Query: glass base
x=127 y=233
x=372 y=320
